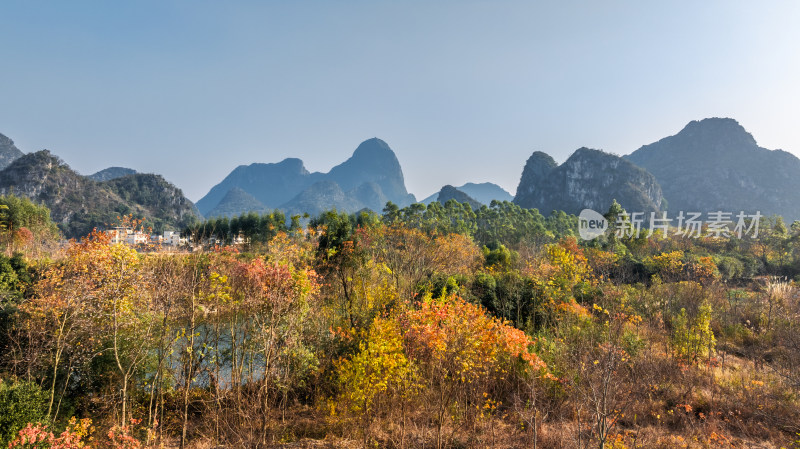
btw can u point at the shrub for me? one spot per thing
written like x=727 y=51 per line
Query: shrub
x=20 y=403
x=693 y=339
x=36 y=436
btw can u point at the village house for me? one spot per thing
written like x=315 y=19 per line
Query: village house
x=134 y=237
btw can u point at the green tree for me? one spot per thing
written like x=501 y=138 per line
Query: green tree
x=20 y=403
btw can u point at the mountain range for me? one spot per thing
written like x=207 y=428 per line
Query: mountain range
x=370 y=178
x=709 y=165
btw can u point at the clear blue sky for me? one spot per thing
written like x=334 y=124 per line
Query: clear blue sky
x=461 y=90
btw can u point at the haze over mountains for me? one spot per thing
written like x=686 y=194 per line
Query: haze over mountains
x=483 y=193
x=112 y=173
x=711 y=164
x=449 y=192
x=368 y=179
x=716 y=165
x=8 y=152
x=236 y=201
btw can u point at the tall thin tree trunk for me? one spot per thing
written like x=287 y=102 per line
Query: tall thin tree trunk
x=188 y=376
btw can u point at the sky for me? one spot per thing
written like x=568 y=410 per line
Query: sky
x=462 y=91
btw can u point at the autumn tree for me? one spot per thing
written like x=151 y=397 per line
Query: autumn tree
x=462 y=355
x=378 y=378
x=413 y=257
x=277 y=297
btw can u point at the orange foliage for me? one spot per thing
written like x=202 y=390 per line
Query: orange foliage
x=463 y=336
x=23 y=236
x=273 y=282
x=704 y=270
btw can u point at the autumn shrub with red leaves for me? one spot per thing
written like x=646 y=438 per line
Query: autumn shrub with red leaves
x=77 y=435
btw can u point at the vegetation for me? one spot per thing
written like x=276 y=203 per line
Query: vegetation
x=78 y=204
x=438 y=326
x=24 y=226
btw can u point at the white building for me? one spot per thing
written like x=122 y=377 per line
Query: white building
x=173 y=238
x=137 y=238
x=127 y=235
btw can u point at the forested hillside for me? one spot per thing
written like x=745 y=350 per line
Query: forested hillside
x=79 y=204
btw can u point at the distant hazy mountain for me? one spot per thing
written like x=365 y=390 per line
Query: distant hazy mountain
x=321 y=196
x=370 y=195
x=8 y=152
x=111 y=173
x=589 y=179
x=325 y=195
x=369 y=178
x=78 y=204
x=236 y=202
x=271 y=184
x=373 y=161
x=712 y=164
x=716 y=165
x=484 y=193
x=449 y=192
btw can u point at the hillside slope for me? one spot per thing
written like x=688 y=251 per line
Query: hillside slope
x=8 y=152
x=715 y=164
x=78 y=204
x=588 y=179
